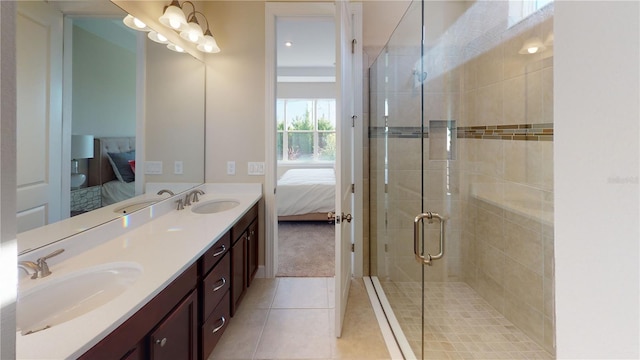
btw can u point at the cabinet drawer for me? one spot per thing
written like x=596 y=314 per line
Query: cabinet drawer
x=216 y=252
x=215 y=325
x=216 y=285
x=243 y=223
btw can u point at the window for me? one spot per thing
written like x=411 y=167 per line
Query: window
x=306 y=130
x=521 y=9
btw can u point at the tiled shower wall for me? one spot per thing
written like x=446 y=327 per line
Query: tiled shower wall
x=497 y=188
x=507 y=185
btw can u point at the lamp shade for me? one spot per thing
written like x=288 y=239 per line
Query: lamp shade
x=173 y=17
x=208 y=44
x=192 y=32
x=135 y=23
x=81 y=146
x=157 y=37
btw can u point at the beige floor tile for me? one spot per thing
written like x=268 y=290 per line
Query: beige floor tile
x=240 y=339
x=301 y=293
x=260 y=294
x=296 y=334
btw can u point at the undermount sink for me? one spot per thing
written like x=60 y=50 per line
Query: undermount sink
x=214 y=206
x=131 y=207
x=59 y=300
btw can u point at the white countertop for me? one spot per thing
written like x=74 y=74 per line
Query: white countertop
x=163 y=246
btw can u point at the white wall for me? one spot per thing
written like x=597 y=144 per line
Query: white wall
x=596 y=179
x=104 y=87
x=8 y=248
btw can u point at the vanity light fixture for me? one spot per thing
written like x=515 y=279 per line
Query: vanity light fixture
x=175 y=48
x=188 y=26
x=173 y=16
x=157 y=37
x=135 y=23
x=532 y=46
x=192 y=32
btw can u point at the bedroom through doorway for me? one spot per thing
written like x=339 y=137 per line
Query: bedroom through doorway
x=305 y=145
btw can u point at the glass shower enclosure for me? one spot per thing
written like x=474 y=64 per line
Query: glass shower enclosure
x=461 y=181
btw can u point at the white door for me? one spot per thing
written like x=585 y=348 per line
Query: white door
x=39 y=114
x=344 y=160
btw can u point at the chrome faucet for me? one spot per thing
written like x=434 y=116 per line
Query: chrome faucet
x=40 y=267
x=25 y=265
x=195 y=194
x=165 y=191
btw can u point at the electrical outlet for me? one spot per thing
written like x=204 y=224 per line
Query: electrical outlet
x=256 y=168
x=231 y=167
x=177 y=168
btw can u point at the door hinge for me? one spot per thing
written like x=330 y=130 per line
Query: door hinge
x=353 y=188
x=353 y=120
x=353 y=247
x=353 y=46
x=386 y=248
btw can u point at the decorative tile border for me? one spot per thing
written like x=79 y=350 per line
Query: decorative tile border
x=527 y=132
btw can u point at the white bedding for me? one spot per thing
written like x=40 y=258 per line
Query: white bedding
x=115 y=191
x=305 y=191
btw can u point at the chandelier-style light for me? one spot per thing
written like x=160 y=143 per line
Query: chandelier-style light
x=188 y=27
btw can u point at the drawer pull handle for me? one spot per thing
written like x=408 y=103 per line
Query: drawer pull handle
x=219 y=327
x=224 y=282
x=161 y=342
x=222 y=250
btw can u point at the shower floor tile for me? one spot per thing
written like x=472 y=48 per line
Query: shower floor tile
x=458 y=324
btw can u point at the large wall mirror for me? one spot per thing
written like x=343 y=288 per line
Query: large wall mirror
x=104 y=114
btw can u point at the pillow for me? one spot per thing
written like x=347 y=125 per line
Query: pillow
x=120 y=164
x=132 y=163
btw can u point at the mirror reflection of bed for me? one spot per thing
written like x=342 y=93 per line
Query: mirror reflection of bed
x=111 y=174
x=305 y=236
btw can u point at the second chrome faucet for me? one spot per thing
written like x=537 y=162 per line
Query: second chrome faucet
x=189 y=198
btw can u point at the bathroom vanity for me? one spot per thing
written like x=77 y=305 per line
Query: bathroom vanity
x=192 y=268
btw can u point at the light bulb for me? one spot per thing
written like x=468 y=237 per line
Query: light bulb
x=532 y=50
x=174 y=23
x=208 y=48
x=179 y=49
x=162 y=37
x=193 y=36
x=139 y=24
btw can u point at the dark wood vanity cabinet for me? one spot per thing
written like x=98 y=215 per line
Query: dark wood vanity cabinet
x=187 y=319
x=244 y=255
x=176 y=337
x=170 y=318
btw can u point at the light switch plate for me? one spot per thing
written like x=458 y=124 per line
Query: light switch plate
x=256 y=168
x=153 y=167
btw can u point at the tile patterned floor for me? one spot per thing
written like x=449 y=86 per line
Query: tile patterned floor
x=292 y=318
x=459 y=324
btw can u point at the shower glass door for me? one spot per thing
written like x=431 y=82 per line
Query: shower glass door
x=461 y=136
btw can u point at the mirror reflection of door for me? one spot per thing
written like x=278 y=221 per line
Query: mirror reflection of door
x=305 y=145
x=39 y=114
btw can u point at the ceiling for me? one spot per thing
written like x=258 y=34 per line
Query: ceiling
x=311 y=54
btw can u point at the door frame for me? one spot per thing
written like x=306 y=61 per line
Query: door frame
x=272 y=11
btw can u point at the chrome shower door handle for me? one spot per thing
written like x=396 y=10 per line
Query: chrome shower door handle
x=428 y=258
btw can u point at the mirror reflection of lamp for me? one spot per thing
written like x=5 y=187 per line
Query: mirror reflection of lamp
x=81 y=148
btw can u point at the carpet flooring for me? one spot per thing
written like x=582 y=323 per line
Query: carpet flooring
x=306 y=249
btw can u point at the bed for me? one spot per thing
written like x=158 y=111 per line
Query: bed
x=306 y=194
x=110 y=153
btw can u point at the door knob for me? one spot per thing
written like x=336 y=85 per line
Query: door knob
x=347 y=217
